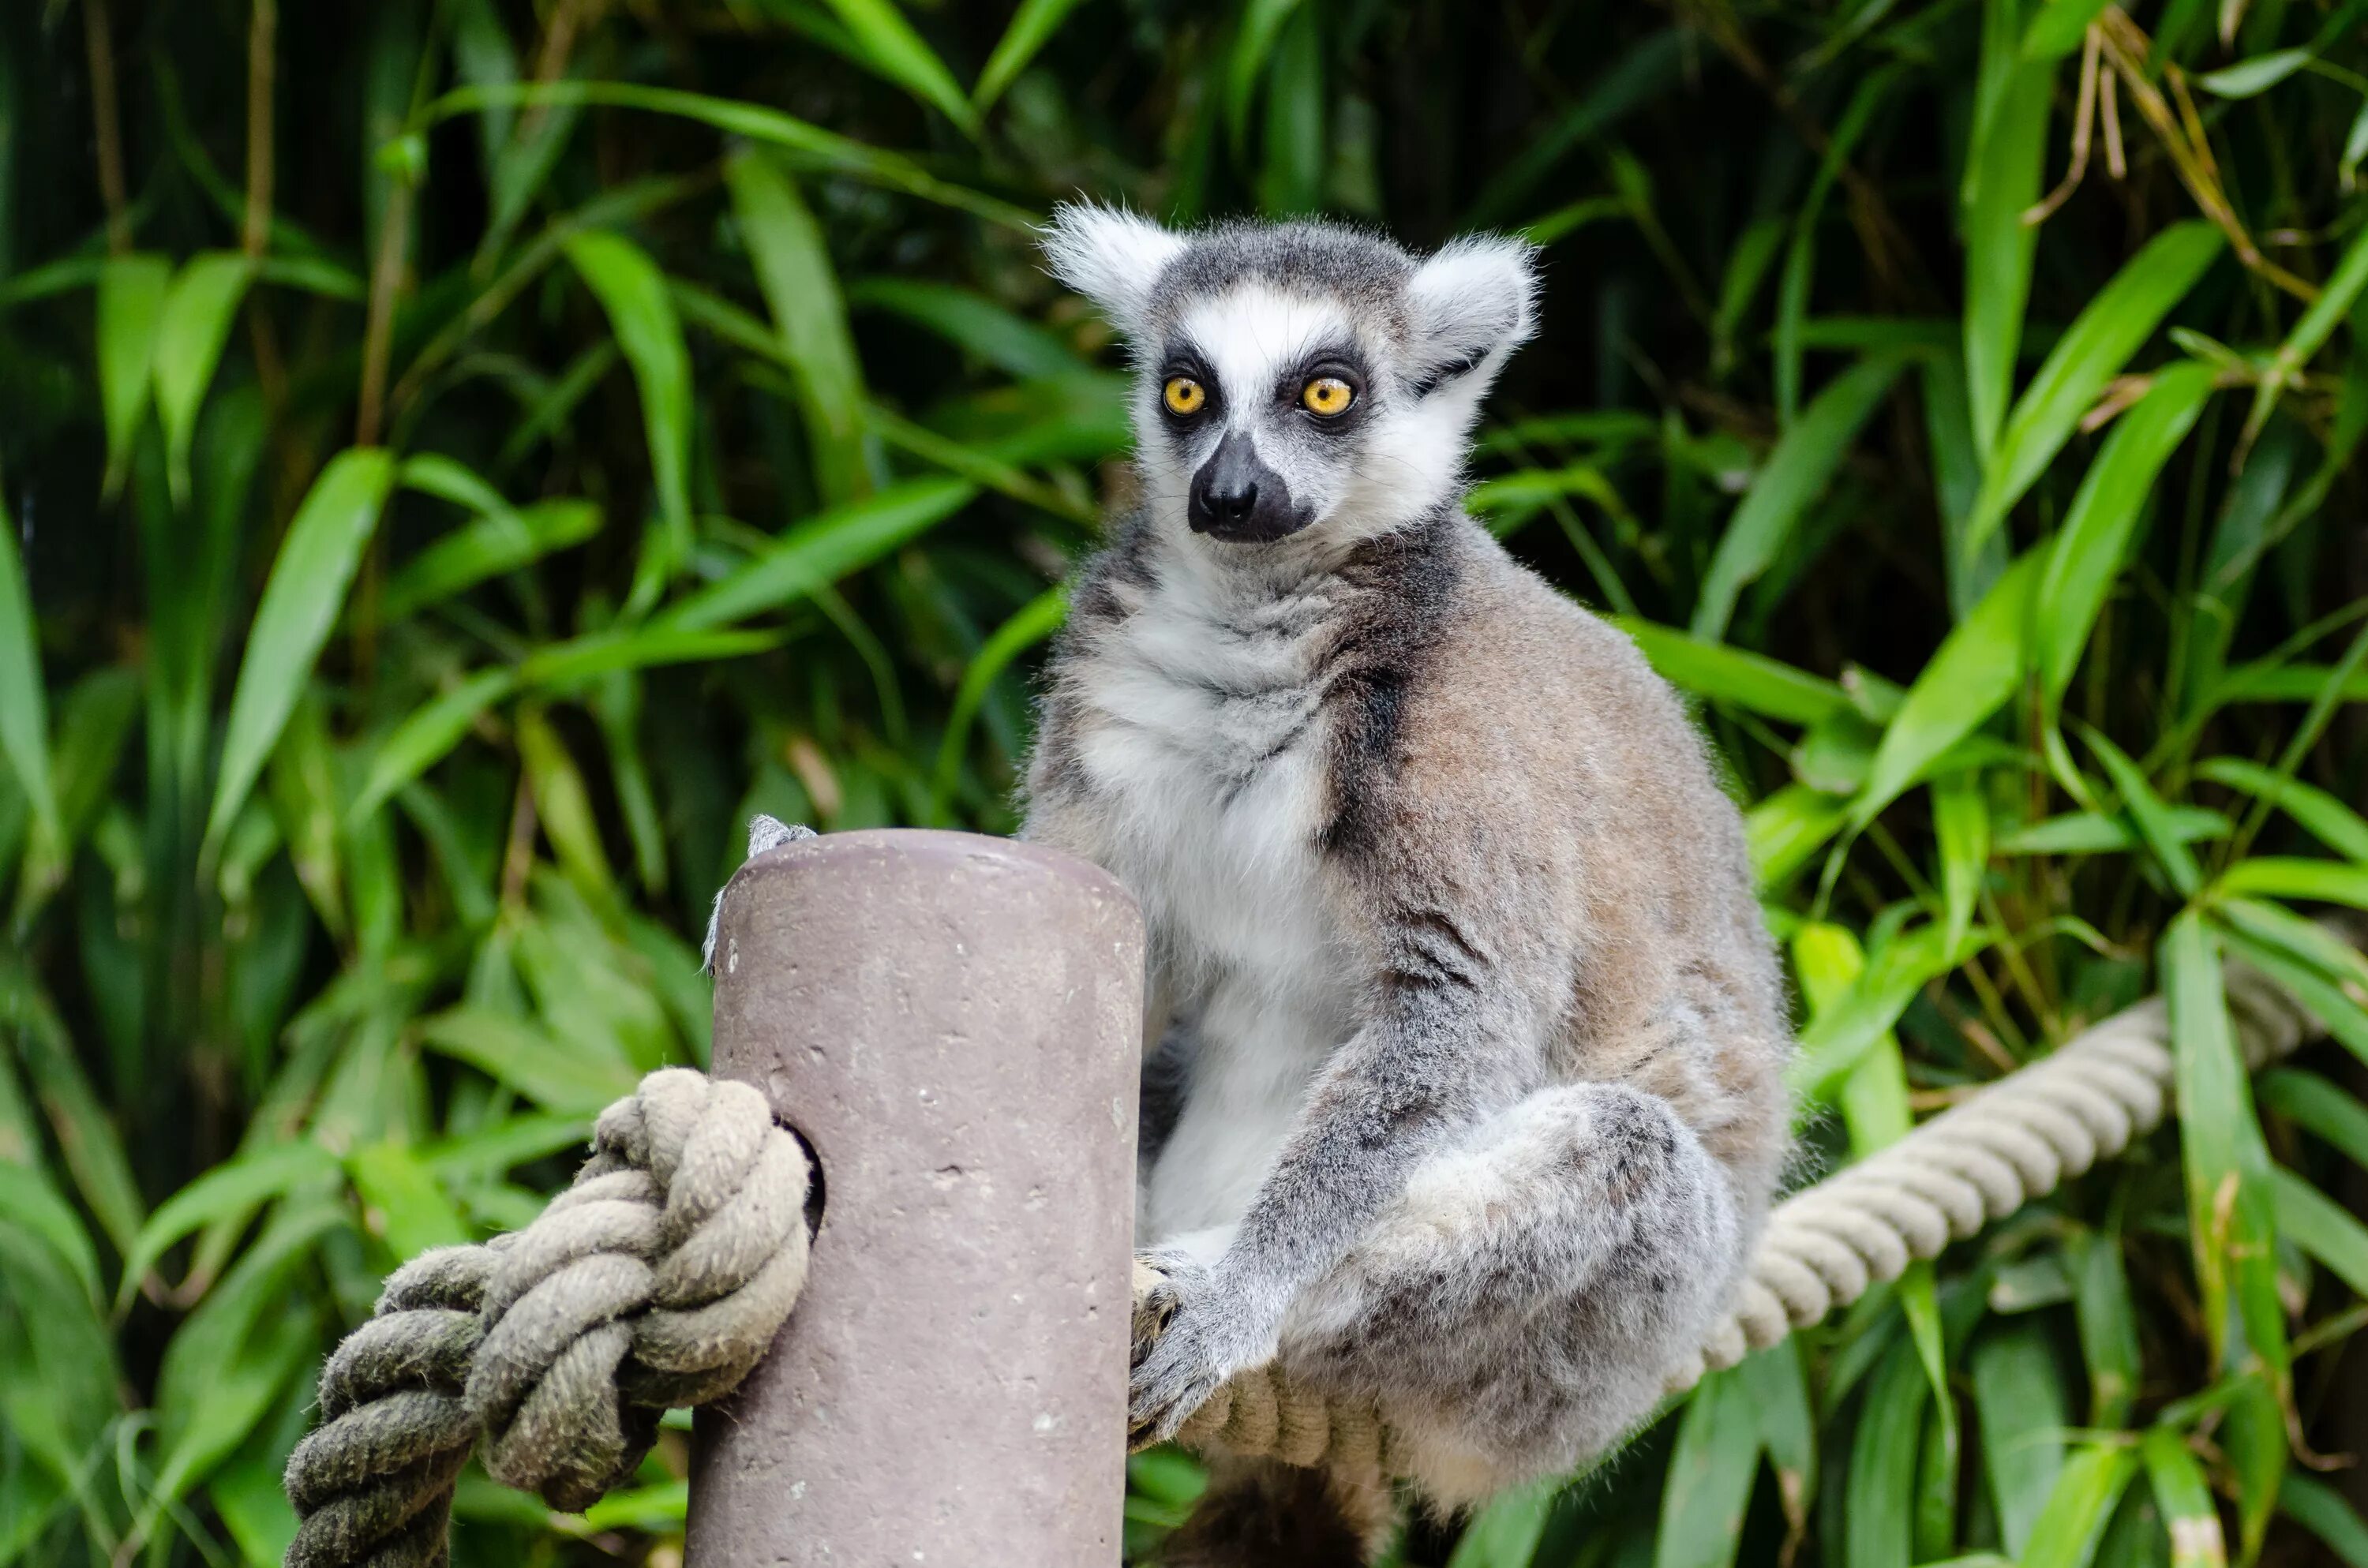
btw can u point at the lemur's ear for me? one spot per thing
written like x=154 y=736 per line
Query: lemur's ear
x=1110 y=255
x=1474 y=302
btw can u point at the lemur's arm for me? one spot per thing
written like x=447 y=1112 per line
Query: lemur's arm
x=1455 y=1036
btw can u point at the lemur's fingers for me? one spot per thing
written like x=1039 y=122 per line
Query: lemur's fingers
x=1197 y=1339
x=1154 y=1304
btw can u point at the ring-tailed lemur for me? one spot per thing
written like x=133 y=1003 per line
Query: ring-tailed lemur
x=1472 y=1033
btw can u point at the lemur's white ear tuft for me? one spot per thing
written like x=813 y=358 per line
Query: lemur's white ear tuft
x=1474 y=302
x=1110 y=255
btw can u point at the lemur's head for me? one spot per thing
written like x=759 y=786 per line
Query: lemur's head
x=1298 y=376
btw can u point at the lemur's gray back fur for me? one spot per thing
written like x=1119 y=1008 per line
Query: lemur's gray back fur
x=1469 y=1036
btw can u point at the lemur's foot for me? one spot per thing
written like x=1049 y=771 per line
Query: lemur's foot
x=1189 y=1336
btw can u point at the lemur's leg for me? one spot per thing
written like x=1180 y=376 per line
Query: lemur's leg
x=1439 y=1059
x=1517 y=1307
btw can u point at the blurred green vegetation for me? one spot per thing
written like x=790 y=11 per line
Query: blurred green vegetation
x=463 y=457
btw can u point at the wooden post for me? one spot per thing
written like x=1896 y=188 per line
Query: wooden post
x=953 y=1024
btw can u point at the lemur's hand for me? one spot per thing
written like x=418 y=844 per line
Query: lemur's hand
x=1189 y=1336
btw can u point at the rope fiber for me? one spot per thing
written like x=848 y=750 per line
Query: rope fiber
x=657 y=1279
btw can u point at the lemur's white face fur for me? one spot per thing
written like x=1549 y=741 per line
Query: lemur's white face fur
x=1297 y=380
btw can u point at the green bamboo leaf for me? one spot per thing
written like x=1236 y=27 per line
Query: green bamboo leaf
x=1795 y=475
x=85 y=1135
x=64 y=275
x=1879 y=1525
x=1719 y=673
x=1800 y=251
x=2321 y=1227
x=231 y=1359
x=2002 y=174
x=1254 y=39
x=506 y=1144
x=1529 y=488
x=568 y=665
x=1785 y=831
x=131 y=299
x=793 y=269
x=1032 y=26
x=822 y=549
x=2226 y=1164
x=1956 y=480
x=2067 y=1532
x=508 y=1051
x=973 y=323
x=564 y=807
x=1968 y=678
x=842 y=154
x=236 y=1188
x=316 y=562
x=93 y=722
x=24 y=708
x=2108 y=1328
x=426 y=736
x=880 y=29
x=2086 y=555
x=403 y=1203
x=2149 y=815
x=191 y=331
x=2322 y=1510
x=1030 y=624
x=633 y=291
x=2313 y=1102
x=2317 y=882
x=2326 y=819
x=1504 y=1534
x=1838 y=1037
x=497 y=543
x=2327 y=974
x=249 y=1491
x=448 y=479
x=2093 y=351
x=1873 y=1095
x=2093 y=833
x=2058 y=27
x=2311 y=333
x=2019 y=1399
x=2184 y=1497
x=1961 y=823
x=58 y=1374
x=2258 y=74
x=659 y=1509
x=1711 y=1468
x=30 y=1203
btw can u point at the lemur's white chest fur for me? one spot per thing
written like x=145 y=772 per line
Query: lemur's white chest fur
x=1205 y=744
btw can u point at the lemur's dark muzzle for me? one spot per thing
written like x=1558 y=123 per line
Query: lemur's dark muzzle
x=1239 y=499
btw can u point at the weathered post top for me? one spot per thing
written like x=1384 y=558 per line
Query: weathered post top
x=952 y=1023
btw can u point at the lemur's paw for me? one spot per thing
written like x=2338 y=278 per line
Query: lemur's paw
x=1157 y=1294
x=1189 y=1338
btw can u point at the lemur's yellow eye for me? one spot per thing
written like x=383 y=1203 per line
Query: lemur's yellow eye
x=1184 y=395
x=1327 y=395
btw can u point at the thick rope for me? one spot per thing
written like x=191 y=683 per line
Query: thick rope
x=1824 y=1247
x=657 y=1280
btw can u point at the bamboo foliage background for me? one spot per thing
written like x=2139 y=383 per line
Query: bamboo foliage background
x=463 y=457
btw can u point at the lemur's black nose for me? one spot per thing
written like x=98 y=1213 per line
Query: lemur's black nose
x=1236 y=497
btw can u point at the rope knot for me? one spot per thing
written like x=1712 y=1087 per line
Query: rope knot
x=657 y=1279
